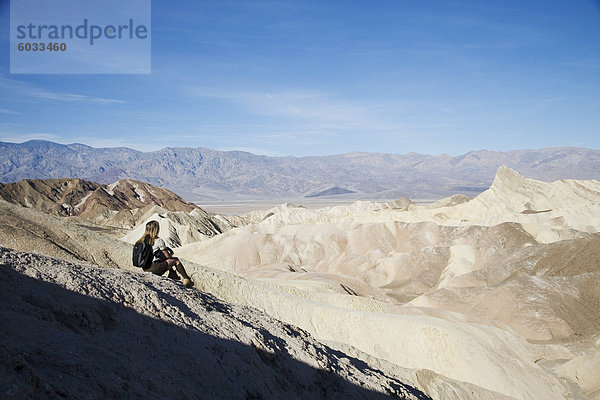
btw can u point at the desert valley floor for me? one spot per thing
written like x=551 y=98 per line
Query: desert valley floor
x=492 y=297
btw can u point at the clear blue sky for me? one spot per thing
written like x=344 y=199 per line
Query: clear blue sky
x=314 y=77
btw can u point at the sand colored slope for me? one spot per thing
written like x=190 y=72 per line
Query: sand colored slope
x=485 y=356
x=544 y=292
x=584 y=370
x=181 y=228
x=489 y=275
x=30 y=230
x=397 y=261
x=520 y=261
x=394 y=256
x=538 y=308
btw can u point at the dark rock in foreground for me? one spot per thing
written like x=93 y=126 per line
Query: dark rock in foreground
x=77 y=331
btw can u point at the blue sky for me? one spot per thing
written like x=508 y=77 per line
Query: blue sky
x=319 y=77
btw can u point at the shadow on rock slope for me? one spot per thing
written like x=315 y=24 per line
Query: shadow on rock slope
x=139 y=336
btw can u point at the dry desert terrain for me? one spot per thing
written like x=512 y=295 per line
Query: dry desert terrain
x=492 y=297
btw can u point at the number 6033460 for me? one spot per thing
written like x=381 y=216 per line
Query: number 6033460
x=42 y=46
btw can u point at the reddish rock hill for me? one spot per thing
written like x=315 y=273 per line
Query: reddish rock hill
x=92 y=201
x=52 y=196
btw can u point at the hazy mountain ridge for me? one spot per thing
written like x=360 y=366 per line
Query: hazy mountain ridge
x=198 y=173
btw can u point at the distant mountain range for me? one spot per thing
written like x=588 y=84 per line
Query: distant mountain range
x=202 y=174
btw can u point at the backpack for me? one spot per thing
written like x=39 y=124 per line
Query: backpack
x=142 y=254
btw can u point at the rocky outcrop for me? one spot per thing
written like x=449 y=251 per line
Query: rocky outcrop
x=30 y=230
x=68 y=197
x=181 y=228
x=122 y=204
x=52 y=196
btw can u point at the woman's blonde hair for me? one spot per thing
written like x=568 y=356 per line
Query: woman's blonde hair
x=151 y=233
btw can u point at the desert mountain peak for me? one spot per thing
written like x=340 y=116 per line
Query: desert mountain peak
x=514 y=192
x=507 y=176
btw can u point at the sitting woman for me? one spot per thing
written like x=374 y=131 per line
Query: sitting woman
x=163 y=256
